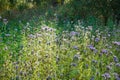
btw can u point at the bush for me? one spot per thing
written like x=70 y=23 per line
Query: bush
x=21 y=7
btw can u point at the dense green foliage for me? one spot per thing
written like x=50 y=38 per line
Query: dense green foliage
x=69 y=9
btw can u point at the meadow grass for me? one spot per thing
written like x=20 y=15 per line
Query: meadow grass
x=48 y=50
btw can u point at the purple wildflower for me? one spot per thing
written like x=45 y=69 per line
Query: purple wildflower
x=117 y=78
x=75 y=47
x=94 y=61
x=115 y=74
x=73 y=33
x=104 y=51
x=115 y=59
x=97 y=39
x=95 y=51
x=92 y=78
x=118 y=64
x=106 y=75
x=86 y=65
x=116 y=43
x=16 y=67
x=91 y=47
x=100 y=54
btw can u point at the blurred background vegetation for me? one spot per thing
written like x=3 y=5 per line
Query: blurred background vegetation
x=101 y=11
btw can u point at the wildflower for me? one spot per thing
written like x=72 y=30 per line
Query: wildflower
x=109 y=47
x=73 y=64
x=92 y=78
x=76 y=57
x=97 y=39
x=6 y=48
x=109 y=35
x=111 y=64
x=5 y=21
x=97 y=73
x=73 y=79
x=45 y=28
x=106 y=75
x=117 y=49
x=97 y=31
x=116 y=76
x=91 y=47
x=95 y=51
x=27 y=24
x=57 y=59
x=61 y=75
x=38 y=35
x=104 y=51
x=51 y=29
x=86 y=65
x=108 y=67
x=75 y=47
x=118 y=64
x=48 y=43
x=90 y=28
x=115 y=59
x=116 y=43
x=99 y=34
x=16 y=67
x=17 y=78
x=94 y=61
x=73 y=33
x=47 y=55
x=31 y=36
x=49 y=78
